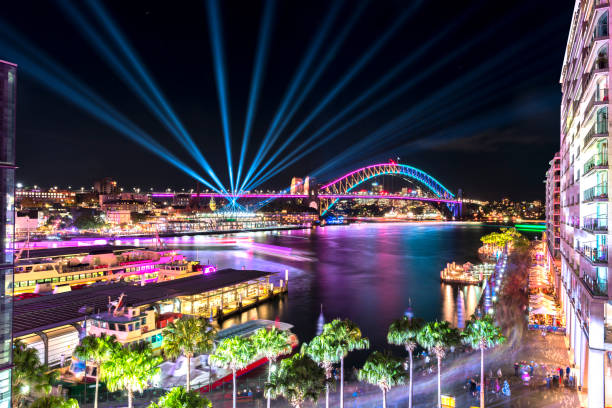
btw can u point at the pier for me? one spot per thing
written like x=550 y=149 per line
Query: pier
x=466 y=274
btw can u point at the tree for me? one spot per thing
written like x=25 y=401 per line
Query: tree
x=321 y=351
x=51 y=401
x=297 y=379
x=89 y=222
x=384 y=371
x=234 y=353
x=344 y=336
x=130 y=370
x=29 y=374
x=188 y=336
x=271 y=344
x=482 y=333
x=437 y=337
x=403 y=332
x=178 y=397
x=97 y=350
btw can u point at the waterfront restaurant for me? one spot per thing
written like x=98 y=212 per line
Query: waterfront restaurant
x=52 y=324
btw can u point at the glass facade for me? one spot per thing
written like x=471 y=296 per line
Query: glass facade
x=8 y=96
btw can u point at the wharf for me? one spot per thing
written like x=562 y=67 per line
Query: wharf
x=219 y=294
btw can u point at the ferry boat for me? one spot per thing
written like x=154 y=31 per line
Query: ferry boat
x=64 y=269
x=137 y=325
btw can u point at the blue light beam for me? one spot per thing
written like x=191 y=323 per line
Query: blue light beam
x=261 y=56
x=216 y=42
x=306 y=147
x=162 y=110
x=296 y=81
x=348 y=77
x=84 y=98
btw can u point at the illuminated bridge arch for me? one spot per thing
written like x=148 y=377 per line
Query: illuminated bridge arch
x=348 y=182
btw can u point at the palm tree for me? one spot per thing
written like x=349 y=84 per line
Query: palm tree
x=271 y=344
x=297 y=379
x=482 y=333
x=234 y=353
x=344 y=336
x=29 y=375
x=96 y=350
x=321 y=352
x=437 y=337
x=51 y=401
x=130 y=370
x=384 y=371
x=403 y=332
x=179 y=397
x=188 y=336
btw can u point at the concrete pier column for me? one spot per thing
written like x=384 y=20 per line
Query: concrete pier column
x=45 y=339
x=596 y=378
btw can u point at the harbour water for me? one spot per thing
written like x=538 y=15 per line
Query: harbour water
x=369 y=273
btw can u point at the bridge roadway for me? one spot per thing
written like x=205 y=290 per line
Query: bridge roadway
x=320 y=196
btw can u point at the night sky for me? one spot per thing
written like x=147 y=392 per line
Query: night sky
x=477 y=106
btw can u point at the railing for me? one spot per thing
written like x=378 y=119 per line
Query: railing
x=597 y=160
x=599 y=192
x=600 y=3
x=599 y=129
x=599 y=97
x=597 y=287
x=594 y=255
x=599 y=224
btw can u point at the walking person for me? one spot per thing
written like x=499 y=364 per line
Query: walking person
x=516 y=367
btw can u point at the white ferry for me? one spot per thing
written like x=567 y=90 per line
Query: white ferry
x=63 y=269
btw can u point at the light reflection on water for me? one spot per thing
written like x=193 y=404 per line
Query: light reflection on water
x=369 y=273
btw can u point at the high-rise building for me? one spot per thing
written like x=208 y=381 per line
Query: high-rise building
x=106 y=186
x=8 y=103
x=585 y=206
x=553 y=206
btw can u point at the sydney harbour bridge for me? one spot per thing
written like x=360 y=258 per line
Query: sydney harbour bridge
x=325 y=196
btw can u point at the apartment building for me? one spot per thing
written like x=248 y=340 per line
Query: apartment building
x=584 y=247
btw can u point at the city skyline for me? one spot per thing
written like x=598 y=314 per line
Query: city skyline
x=515 y=121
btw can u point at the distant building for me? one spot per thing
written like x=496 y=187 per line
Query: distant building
x=28 y=221
x=297 y=185
x=106 y=186
x=8 y=104
x=553 y=206
x=181 y=199
x=33 y=197
x=585 y=199
x=119 y=216
x=124 y=201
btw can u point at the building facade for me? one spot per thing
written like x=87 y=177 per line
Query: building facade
x=553 y=206
x=585 y=267
x=8 y=104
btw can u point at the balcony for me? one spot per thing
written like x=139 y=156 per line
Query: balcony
x=596 y=225
x=597 y=193
x=595 y=286
x=600 y=3
x=596 y=162
x=600 y=97
x=599 y=130
x=596 y=256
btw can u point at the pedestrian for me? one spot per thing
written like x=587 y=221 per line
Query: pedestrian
x=516 y=367
x=560 y=375
x=548 y=381
x=499 y=373
x=497 y=386
x=567 y=371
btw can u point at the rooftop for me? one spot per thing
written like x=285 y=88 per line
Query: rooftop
x=46 y=312
x=74 y=251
